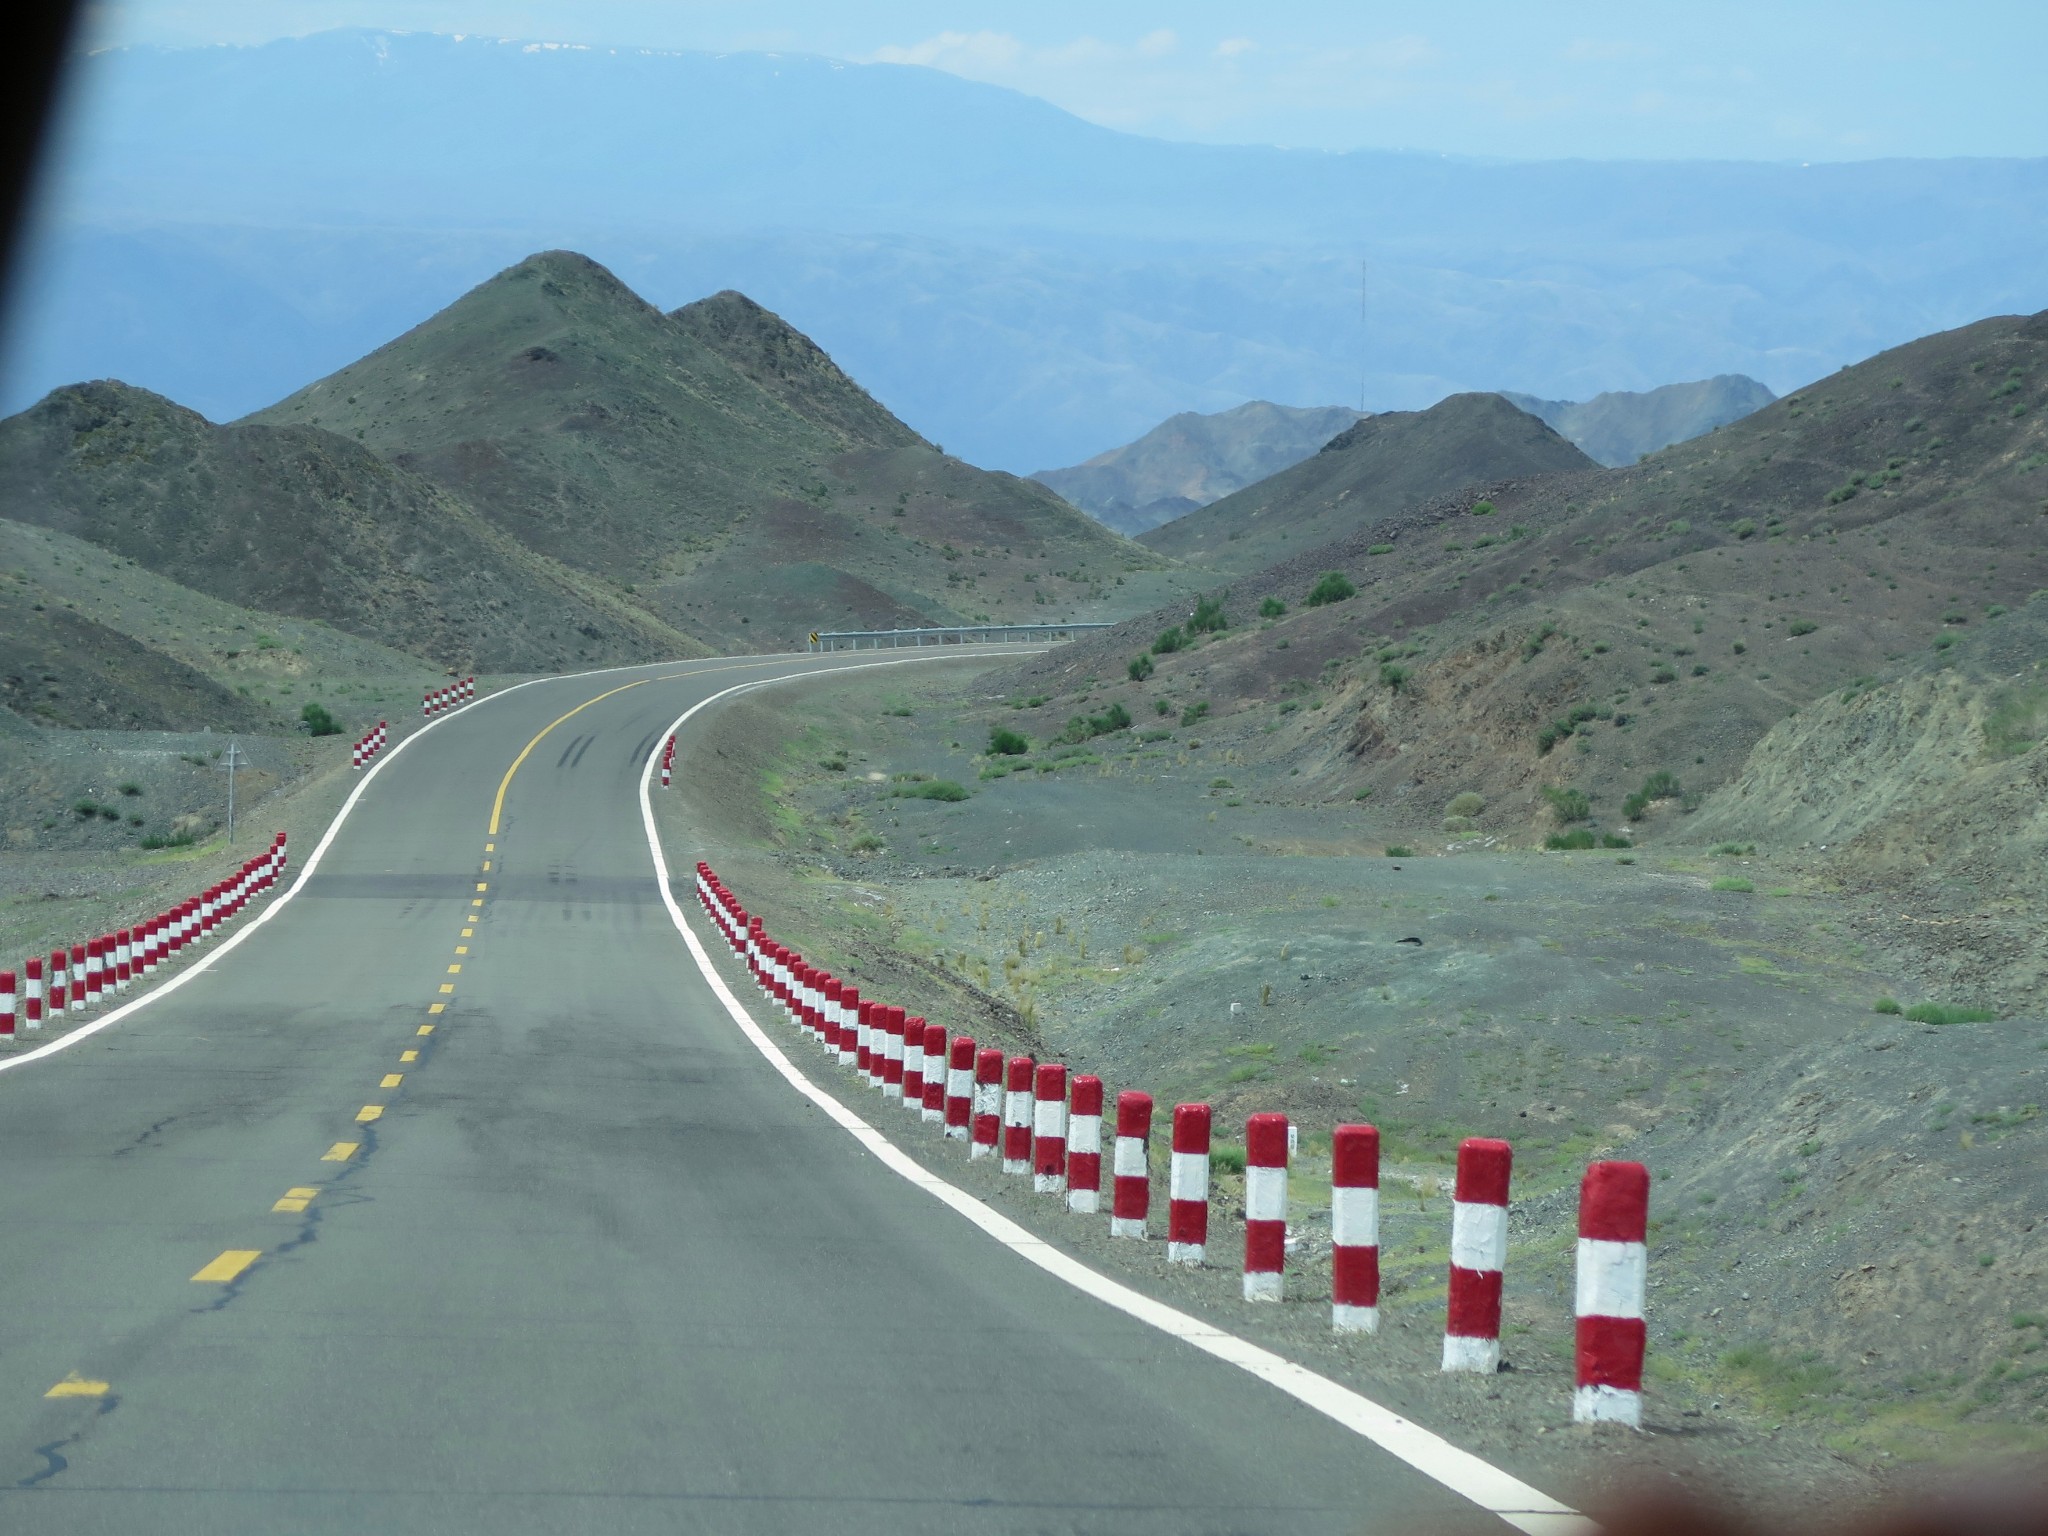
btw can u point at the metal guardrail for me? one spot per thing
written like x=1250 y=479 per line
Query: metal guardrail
x=959 y=634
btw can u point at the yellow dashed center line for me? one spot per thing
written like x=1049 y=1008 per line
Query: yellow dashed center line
x=468 y=933
x=296 y=1199
x=483 y=885
x=340 y=1152
x=479 y=901
x=392 y=1079
x=487 y=866
x=408 y=1055
x=228 y=1266
x=455 y=970
x=447 y=987
x=428 y=1029
x=462 y=949
x=368 y=1113
x=76 y=1385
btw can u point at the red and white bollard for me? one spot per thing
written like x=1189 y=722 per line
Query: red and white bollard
x=1130 y=1176
x=60 y=990
x=1479 y=1252
x=864 y=1042
x=933 y=1110
x=1049 y=1130
x=123 y=953
x=32 y=994
x=850 y=1015
x=78 y=978
x=1355 y=1229
x=959 y=1087
x=987 y=1119
x=7 y=1003
x=1084 y=1145
x=829 y=1011
x=1614 y=1218
x=1265 y=1206
x=95 y=971
x=1187 y=1186
x=892 y=1047
x=664 y=773
x=913 y=1065
x=1017 y=1116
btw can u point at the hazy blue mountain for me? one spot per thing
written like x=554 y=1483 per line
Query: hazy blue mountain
x=1190 y=460
x=1621 y=426
x=1013 y=282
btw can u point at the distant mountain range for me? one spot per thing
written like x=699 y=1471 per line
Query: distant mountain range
x=1377 y=468
x=1190 y=460
x=552 y=471
x=1622 y=426
x=235 y=222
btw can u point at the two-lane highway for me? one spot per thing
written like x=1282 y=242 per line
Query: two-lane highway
x=453 y=1200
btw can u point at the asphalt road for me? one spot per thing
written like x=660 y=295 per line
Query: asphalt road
x=594 y=1266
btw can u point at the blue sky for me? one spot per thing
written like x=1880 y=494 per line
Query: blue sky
x=1733 y=79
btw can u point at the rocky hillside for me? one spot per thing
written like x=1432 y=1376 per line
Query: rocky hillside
x=1373 y=470
x=712 y=466
x=1584 y=632
x=300 y=520
x=1622 y=426
x=1190 y=460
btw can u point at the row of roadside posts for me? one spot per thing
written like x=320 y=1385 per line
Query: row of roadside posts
x=1045 y=1124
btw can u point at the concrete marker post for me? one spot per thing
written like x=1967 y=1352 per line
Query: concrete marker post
x=1613 y=1270
x=935 y=1073
x=1265 y=1207
x=1017 y=1116
x=1130 y=1173
x=7 y=1004
x=78 y=978
x=913 y=1065
x=123 y=958
x=60 y=991
x=850 y=1017
x=32 y=989
x=1479 y=1250
x=987 y=1119
x=1084 y=1145
x=892 y=1052
x=1187 y=1186
x=960 y=1087
x=1355 y=1229
x=95 y=971
x=1049 y=1130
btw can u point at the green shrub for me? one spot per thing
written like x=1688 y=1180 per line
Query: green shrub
x=1678 y=527
x=130 y=787
x=1140 y=667
x=1469 y=803
x=1661 y=785
x=1568 y=805
x=1614 y=840
x=1168 y=642
x=1334 y=587
x=1738 y=647
x=1663 y=674
x=1936 y=1013
x=1743 y=528
x=156 y=840
x=1378 y=549
x=934 y=789
x=1801 y=627
x=1271 y=608
x=1393 y=675
x=1005 y=743
x=1733 y=883
x=1207 y=619
x=1221 y=784
x=85 y=810
x=1396 y=851
x=1570 y=841
x=1732 y=850
x=318 y=721
x=1226 y=1157
x=1482 y=509
x=1194 y=712
x=1080 y=729
x=1886 y=1005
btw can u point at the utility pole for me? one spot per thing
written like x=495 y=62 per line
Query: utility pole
x=231 y=761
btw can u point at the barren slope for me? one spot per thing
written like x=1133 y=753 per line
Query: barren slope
x=1375 y=469
x=711 y=465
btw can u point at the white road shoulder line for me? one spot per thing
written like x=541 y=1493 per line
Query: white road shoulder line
x=1514 y=1501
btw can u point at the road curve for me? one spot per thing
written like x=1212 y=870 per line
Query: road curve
x=582 y=1260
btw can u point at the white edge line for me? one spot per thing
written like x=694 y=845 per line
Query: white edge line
x=166 y=988
x=1514 y=1501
